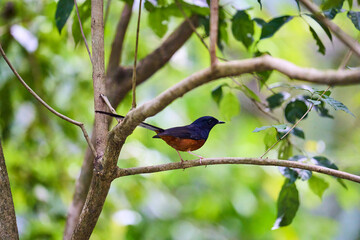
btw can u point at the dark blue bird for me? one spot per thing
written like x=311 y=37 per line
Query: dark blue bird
x=186 y=138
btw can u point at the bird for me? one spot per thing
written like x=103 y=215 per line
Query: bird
x=185 y=138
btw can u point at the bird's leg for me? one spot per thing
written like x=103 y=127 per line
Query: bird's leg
x=196 y=155
x=182 y=161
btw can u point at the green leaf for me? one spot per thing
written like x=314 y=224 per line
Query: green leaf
x=342 y=183
x=324 y=27
x=270 y=138
x=217 y=93
x=243 y=28
x=276 y=100
x=350 y=2
x=331 y=13
x=298 y=5
x=289 y=173
x=84 y=12
x=287 y=205
x=336 y=104
x=327 y=4
x=157 y=20
x=324 y=162
x=318 y=41
x=248 y=92
x=315 y=102
x=355 y=18
x=298 y=132
x=277 y=127
x=229 y=106
x=320 y=92
x=295 y=110
x=270 y=28
x=63 y=11
x=259 y=1
x=304 y=175
x=318 y=185
x=149 y=6
x=285 y=150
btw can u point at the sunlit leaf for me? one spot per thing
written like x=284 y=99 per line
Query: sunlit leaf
x=270 y=28
x=318 y=185
x=229 y=106
x=84 y=12
x=287 y=205
x=270 y=138
x=295 y=110
x=243 y=28
x=63 y=11
x=327 y=4
x=249 y=93
x=285 y=150
x=157 y=20
x=318 y=41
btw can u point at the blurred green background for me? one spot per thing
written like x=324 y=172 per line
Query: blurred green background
x=44 y=153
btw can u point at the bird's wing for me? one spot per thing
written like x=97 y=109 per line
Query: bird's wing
x=186 y=132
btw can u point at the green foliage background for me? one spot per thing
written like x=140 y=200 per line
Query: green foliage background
x=44 y=154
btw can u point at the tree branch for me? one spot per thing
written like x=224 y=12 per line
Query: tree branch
x=214 y=25
x=84 y=180
x=98 y=188
x=121 y=172
x=120 y=83
x=8 y=226
x=345 y=38
x=79 y=124
x=117 y=45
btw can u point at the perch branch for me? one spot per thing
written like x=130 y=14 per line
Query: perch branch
x=79 y=124
x=121 y=172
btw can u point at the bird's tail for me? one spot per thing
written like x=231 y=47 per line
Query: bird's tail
x=144 y=125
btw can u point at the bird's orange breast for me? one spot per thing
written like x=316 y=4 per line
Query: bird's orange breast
x=182 y=144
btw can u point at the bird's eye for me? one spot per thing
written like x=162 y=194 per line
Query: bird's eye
x=209 y=121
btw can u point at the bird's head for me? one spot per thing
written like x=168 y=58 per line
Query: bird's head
x=206 y=122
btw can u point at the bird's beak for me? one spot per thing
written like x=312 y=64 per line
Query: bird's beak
x=220 y=122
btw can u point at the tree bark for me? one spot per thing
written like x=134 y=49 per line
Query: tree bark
x=8 y=227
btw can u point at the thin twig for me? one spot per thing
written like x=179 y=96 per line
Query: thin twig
x=82 y=30
x=121 y=172
x=214 y=19
x=79 y=124
x=107 y=10
x=106 y=100
x=342 y=36
x=133 y=105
